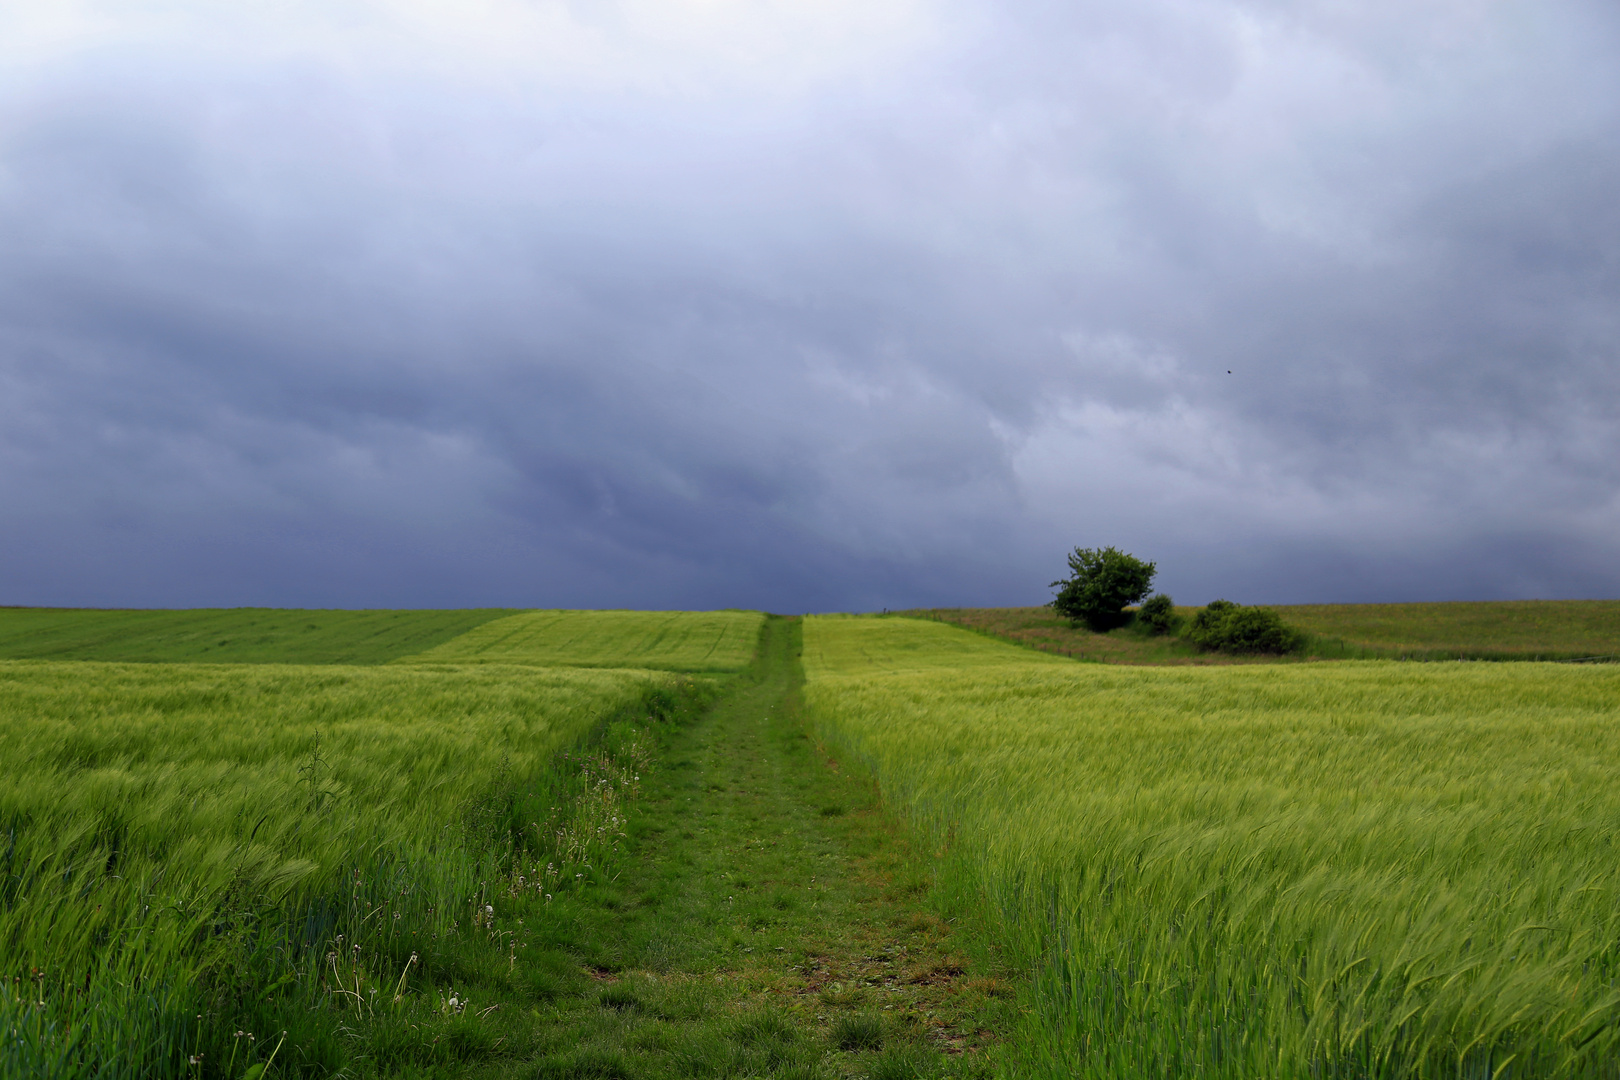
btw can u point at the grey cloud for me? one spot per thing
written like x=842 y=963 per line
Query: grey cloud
x=279 y=329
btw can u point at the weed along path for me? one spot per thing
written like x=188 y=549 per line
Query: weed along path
x=768 y=919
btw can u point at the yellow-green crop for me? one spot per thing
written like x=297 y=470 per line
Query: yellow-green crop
x=672 y=640
x=1311 y=870
x=186 y=846
x=156 y=818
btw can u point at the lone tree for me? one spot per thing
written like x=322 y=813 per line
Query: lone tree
x=1101 y=582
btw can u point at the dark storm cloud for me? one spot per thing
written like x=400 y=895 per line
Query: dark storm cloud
x=808 y=307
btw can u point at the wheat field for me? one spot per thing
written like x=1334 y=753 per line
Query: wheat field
x=712 y=641
x=191 y=852
x=1312 y=870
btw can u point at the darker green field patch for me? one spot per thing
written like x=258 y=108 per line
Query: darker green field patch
x=1478 y=630
x=230 y=635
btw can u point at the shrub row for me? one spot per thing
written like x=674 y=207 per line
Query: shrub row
x=1223 y=627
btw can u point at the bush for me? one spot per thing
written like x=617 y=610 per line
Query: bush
x=1101 y=582
x=1234 y=628
x=1158 y=614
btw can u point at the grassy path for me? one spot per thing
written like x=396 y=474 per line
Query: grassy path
x=770 y=921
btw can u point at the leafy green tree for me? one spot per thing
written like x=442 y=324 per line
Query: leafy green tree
x=1101 y=582
x=1158 y=614
x=1234 y=628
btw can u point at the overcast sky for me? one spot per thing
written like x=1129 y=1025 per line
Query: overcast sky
x=806 y=304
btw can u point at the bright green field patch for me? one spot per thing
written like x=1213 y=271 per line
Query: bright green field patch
x=1358 y=869
x=229 y=635
x=397 y=740
x=699 y=641
x=1506 y=629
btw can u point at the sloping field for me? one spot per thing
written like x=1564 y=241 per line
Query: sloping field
x=1044 y=630
x=698 y=641
x=229 y=635
x=1505 y=629
x=1495 y=630
x=189 y=852
x=1348 y=870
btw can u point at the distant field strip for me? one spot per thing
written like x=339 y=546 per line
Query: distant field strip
x=843 y=645
x=229 y=635
x=1359 y=869
x=1505 y=629
x=697 y=641
x=169 y=828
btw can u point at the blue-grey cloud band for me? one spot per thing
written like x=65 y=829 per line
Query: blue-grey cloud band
x=808 y=307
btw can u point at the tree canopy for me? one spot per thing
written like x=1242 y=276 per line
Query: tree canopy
x=1101 y=582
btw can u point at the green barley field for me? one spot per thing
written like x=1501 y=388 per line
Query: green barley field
x=215 y=869
x=713 y=641
x=1357 y=869
x=249 y=844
